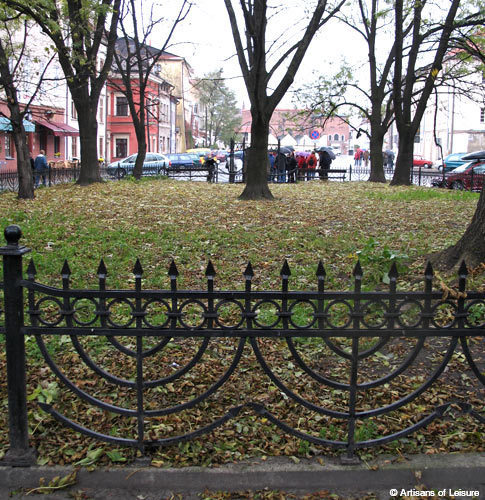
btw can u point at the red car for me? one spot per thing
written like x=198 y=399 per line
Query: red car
x=419 y=161
x=469 y=176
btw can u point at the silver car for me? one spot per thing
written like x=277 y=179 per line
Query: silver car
x=154 y=164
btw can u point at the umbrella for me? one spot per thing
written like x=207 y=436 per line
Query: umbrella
x=328 y=150
x=285 y=150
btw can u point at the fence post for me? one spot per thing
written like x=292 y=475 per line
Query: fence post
x=19 y=454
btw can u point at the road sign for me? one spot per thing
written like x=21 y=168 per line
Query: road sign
x=315 y=134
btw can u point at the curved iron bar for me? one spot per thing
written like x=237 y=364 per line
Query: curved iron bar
x=206 y=394
x=288 y=392
x=83 y=430
x=75 y=389
x=233 y=412
x=438 y=412
x=471 y=361
x=149 y=383
x=363 y=414
x=468 y=409
x=365 y=385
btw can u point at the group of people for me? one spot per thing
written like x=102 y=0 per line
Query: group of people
x=292 y=166
x=362 y=156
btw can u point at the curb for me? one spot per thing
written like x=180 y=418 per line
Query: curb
x=464 y=472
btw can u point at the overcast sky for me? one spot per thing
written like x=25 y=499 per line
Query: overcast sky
x=205 y=40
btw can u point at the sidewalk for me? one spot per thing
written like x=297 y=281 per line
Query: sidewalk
x=370 y=480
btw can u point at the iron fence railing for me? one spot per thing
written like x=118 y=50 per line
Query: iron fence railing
x=344 y=321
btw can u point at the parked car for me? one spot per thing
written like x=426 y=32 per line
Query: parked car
x=469 y=176
x=452 y=161
x=154 y=164
x=221 y=154
x=196 y=159
x=201 y=152
x=181 y=161
x=419 y=161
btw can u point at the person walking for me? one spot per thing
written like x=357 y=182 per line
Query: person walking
x=272 y=168
x=366 y=158
x=40 y=168
x=292 y=166
x=301 y=167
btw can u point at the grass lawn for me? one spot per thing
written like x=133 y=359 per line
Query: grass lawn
x=160 y=220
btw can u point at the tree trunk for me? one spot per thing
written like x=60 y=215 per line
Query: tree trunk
x=24 y=169
x=404 y=160
x=88 y=135
x=257 y=165
x=376 y=160
x=141 y=154
x=470 y=247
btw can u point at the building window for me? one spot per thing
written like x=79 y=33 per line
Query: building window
x=74 y=148
x=121 y=106
x=73 y=111
x=57 y=144
x=8 y=146
x=121 y=147
x=335 y=137
x=342 y=138
x=101 y=110
x=482 y=115
x=101 y=148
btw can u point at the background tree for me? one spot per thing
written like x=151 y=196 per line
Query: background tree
x=253 y=60
x=14 y=58
x=84 y=34
x=222 y=115
x=135 y=60
x=428 y=40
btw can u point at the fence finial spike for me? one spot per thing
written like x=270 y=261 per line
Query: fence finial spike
x=138 y=269
x=463 y=270
x=248 y=272
x=285 y=270
x=102 y=271
x=393 y=272
x=173 y=271
x=65 y=271
x=321 y=273
x=31 y=270
x=210 y=272
x=428 y=272
x=358 y=270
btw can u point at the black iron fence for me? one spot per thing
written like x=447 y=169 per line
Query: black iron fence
x=355 y=327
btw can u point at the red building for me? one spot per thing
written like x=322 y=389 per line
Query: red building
x=45 y=129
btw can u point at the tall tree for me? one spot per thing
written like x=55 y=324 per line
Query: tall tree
x=14 y=59
x=222 y=116
x=253 y=60
x=84 y=33
x=414 y=84
x=135 y=61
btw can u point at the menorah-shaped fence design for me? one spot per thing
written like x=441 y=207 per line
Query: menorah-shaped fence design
x=321 y=314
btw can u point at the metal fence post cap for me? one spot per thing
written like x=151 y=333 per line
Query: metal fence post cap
x=12 y=234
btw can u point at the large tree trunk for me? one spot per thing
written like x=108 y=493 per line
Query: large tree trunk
x=470 y=247
x=88 y=135
x=404 y=160
x=376 y=161
x=257 y=166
